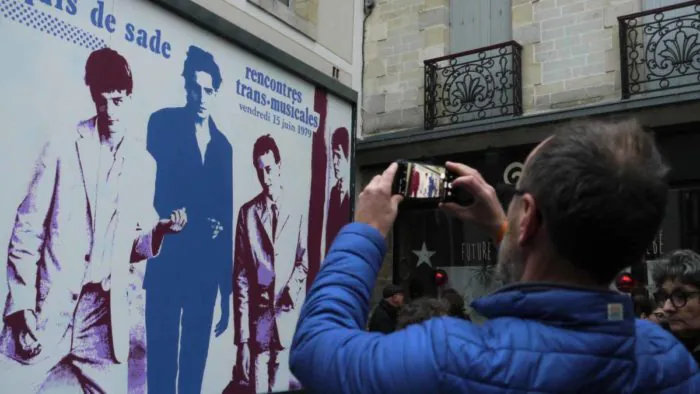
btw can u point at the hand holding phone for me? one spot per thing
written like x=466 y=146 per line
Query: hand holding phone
x=426 y=186
x=486 y=210
x=377 y=206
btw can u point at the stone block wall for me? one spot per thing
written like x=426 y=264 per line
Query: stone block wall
x=570 y=50
x=570 y=55
x=400 y=34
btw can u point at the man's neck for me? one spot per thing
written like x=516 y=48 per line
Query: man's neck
x=201 y=121
x=201 y=125
x=271 y=200
x=556 y=271
x=341 y=187
x=109 y=141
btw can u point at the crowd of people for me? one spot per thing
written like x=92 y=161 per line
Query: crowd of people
x=391 y=313
x=556 y=326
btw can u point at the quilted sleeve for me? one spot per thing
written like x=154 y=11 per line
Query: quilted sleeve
x=331 y=353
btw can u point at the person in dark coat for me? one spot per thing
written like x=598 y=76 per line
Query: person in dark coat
x=420 y=310
x=385 y=314
x=456 y=303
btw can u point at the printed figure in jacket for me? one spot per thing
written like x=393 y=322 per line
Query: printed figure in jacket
x=432 y=185
x=556 y=326
x=385 y=314
x=339 y=200
x=194 y=171
x=414 y=183
x=269 y=280
x=88 y=214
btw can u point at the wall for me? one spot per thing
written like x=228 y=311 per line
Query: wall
x=337 y=41
x=334 y=43
x=570 y=50
x=167 y=129
x=570 y=55
x=400 y=35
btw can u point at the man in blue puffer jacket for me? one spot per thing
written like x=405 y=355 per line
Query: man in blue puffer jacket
x=589 y=201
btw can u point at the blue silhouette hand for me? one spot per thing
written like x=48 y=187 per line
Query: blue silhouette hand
x=222 y=325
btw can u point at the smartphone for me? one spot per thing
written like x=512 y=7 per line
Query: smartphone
x=427 y=185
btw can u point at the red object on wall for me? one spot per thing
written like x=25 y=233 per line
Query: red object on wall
x=625 y=282
x=440 y=277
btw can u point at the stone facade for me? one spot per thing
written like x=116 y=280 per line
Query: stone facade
x=570 y=55
x=570 y=50
x=302 y=15
x=400 y=35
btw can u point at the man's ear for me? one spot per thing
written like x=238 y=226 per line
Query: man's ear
x=530 y=223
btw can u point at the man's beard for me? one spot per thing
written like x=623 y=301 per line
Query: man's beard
x=510 y=266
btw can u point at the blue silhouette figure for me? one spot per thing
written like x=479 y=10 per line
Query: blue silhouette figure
x=432 y=187
x=195 y=171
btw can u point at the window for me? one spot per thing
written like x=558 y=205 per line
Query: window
x=301 y=15
x=477 y=24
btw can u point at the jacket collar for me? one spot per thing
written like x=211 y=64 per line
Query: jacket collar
x=561 y=305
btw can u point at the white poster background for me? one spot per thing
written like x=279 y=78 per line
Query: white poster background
x=44 y=96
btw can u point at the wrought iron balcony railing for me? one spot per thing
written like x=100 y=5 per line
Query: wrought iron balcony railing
x=468 y=86
x=660 y=49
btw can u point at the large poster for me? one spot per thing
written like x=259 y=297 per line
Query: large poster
x=166 y=200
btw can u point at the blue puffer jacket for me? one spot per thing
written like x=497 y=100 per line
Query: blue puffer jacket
x=538 y=339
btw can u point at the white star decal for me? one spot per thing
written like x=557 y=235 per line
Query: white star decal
x=424 y=255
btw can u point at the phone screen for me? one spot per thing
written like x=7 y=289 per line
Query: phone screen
x=425 y=181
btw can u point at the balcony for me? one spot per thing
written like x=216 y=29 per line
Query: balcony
x=479 y=84
x=660 y=50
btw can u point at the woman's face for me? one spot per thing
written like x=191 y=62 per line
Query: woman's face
x=682 y=308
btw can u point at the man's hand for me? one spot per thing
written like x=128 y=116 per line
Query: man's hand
x=376 y=206
x=244 y=358
x=176 y=222
x=486 y=211
x=222 y=325
x=216 y=227
x=25 y=327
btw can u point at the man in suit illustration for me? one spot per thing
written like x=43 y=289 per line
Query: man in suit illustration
x=195 y=171
x=432 y=185
x=338 y=213
x=88 y=213
x=269 y=276
x=414 y=183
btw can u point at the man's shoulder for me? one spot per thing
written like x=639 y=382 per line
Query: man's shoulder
x=652 y=339
x=169 y=112
x=86 y=127
x=60 y=144
x=167 y=120
x=498 y=344
x=251 y=206
x=663 y=362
